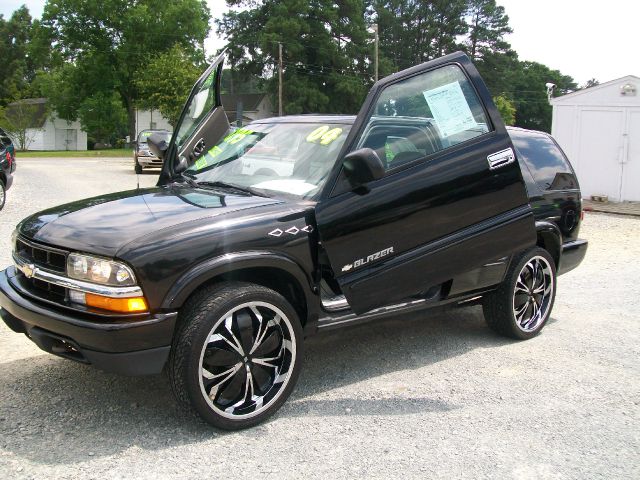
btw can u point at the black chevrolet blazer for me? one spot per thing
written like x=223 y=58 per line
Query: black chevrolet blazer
x=258 y=236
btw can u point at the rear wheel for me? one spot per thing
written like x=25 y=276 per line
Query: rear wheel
x=138 y=168
x=521 y=306
x=237 y=356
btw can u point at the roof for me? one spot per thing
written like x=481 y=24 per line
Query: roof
x=35 y=108
x=591 y=90
x=250 y=101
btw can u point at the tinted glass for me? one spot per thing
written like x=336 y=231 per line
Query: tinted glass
x=201 y=104
x=292 y=158
x=547 y=163
x=440 y=103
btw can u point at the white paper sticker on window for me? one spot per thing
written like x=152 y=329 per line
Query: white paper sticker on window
x=450 y=109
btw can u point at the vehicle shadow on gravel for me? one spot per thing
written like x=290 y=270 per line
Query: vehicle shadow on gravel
x=55 y=411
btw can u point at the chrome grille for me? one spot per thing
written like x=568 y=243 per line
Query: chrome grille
x=45 y=257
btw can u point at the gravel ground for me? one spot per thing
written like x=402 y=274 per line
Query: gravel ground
x=433 y=394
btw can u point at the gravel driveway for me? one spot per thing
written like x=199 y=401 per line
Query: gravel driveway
x=428 y=395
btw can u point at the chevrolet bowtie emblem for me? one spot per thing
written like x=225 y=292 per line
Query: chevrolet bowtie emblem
x=28 y=270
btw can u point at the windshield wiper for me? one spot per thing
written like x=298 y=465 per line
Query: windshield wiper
x=231 y=186
x=189 y=179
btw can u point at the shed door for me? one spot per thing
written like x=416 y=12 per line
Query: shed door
x=601 y=152
x=631 y=166
x=66 y=139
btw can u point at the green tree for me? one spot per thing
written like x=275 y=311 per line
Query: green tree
x=327 y=50
x=488 y=24
x=592 y=82
x=530 y=96
x=110 y=42
x=24 y=51
x=103 y=117
x=506 y=108
x=413 y=31
x=18 y=118
x=166 y=81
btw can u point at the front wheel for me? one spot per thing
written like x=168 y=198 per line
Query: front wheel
x=237 y=354
x=137 y=168
x=521 y=306
x=3 y=194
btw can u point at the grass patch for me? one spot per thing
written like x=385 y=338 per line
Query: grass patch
x=116 y=152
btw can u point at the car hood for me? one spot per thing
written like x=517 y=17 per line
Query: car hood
x=102 y=225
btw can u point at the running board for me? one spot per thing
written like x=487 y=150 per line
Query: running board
x=335 y=304
x=352 y=317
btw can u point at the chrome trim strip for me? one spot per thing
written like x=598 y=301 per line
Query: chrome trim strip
x=33 y=271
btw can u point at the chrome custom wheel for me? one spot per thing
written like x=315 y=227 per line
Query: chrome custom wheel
x=247 y=360
x=521 y=305
x=533 y=293
x=237 y=354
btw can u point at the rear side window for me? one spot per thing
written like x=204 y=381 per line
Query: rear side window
x=548 y=165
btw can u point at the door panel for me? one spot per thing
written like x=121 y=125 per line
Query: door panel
x=631 y=167
x=599 y=165
x=202 y=124
x=438 y=212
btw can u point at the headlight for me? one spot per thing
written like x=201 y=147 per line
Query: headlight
x=99 y=270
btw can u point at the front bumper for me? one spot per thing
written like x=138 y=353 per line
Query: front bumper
x=572 y=255
x=149 y=161
x=126 y=345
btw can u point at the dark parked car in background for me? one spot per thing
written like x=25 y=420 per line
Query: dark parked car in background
x=7 y=165
x=142 y=156
x=257 y=237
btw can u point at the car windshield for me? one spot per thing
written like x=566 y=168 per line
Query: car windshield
x=142 y=137
x=292 y=158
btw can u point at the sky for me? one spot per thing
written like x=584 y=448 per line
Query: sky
x=584 y=39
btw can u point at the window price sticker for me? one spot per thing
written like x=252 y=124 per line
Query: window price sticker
x=450 y=109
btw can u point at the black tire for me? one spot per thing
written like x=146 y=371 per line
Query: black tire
x=138 y=168
x=515 y=309
x=3 y=194
x=225 y=310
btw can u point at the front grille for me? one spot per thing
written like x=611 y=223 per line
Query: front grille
x=45 y=257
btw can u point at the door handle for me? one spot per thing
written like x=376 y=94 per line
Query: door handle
x=501 y=158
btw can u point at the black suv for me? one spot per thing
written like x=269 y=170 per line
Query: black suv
x=7 y=165
x=257 y=237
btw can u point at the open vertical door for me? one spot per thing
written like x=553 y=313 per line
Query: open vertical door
x=202 y=124
x=452 y=199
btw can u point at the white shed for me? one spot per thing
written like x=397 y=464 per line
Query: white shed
x=599 y=130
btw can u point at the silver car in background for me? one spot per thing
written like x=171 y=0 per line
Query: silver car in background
x=142 y=156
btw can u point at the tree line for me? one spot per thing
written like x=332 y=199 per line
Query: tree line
x=99 y=60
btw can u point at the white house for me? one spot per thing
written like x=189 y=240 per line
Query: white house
x=599 y=130
x=46 y=131
x=151 y=120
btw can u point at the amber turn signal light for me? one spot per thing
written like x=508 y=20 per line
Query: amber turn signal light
x=124 y=305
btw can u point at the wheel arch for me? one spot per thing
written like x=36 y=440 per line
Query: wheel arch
x=269 y=269
x=549 y=237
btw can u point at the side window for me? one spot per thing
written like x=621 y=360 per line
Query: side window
x=547 y=163
x=424 y=114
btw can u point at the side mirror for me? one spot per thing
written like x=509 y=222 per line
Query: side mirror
x=157 y=144
x=363 y=166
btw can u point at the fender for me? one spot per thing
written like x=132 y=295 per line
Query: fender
x=552 y=238
x=229 y=262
